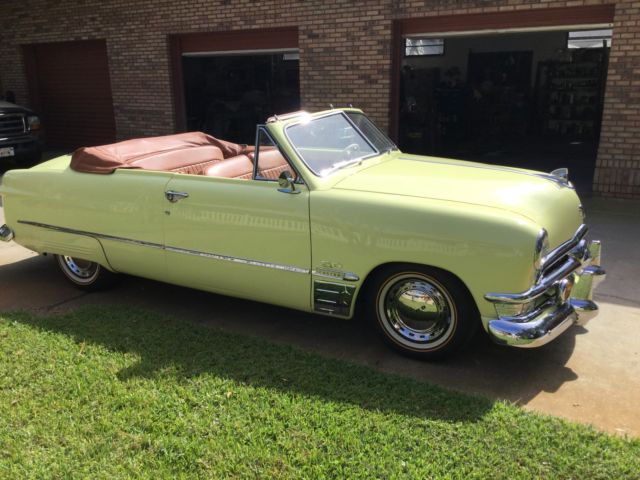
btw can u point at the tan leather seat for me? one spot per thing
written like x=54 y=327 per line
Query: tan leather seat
x=192 y=160
x=271 y=163
x=239 y=166
x=190 y=152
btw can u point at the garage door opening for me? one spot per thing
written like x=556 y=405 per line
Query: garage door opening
x=227 y=94
x=528 y=99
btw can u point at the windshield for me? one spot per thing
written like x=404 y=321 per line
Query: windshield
x=373 y=133
x=336 y=141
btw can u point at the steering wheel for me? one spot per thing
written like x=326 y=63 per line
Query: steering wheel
x=349 y=151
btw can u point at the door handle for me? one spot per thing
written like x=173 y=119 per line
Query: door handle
x=174 y=196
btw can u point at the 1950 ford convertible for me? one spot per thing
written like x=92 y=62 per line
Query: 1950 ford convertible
x=323 y=214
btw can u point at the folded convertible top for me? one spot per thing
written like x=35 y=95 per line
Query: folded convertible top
x=155 y=153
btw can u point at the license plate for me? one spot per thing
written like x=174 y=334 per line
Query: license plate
x=7 y=152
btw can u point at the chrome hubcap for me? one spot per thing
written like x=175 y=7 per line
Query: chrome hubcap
x=416 y=311
x=82 y=269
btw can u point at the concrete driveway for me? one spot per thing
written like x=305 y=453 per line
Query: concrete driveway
x=590 y=375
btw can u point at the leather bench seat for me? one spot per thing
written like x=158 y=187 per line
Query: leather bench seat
x=194 y=160
x=191 y=152
x=239 y=166
x=271 y=163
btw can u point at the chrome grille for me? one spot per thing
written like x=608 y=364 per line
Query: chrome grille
x=560 y=255
x=551 y=267
x=12 y=124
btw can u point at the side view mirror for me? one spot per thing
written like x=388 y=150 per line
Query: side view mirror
x=287 y=183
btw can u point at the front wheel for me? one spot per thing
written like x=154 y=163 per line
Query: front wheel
x=422 y=312
x=84 y=274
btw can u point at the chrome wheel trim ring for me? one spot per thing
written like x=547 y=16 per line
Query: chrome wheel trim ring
x=416 y=311
x=79 y=271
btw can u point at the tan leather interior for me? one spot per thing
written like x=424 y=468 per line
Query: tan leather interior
x=240 y=166
x=193 y=153
x=193 y=160
x=188 y=152
x=271 y=164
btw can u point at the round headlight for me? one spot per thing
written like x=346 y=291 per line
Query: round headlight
x=33 y=122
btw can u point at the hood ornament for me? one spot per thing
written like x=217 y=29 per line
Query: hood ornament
x=561 y=176
x=561 y=173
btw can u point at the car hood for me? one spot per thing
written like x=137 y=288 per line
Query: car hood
x=8 y=107
x=538 y=196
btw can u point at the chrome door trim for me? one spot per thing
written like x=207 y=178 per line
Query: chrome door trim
x=215 y=256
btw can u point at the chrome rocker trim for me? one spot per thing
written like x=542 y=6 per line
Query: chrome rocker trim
x=185 y=251
x=559 y=299
x=6 y=234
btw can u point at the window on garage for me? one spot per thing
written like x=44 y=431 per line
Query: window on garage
x=226 y=95
x=227 y=82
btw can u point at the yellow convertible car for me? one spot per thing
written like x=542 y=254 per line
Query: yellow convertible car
x=323 y=214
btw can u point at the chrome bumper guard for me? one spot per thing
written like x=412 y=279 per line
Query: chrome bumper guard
x=559 y=299
x=6 y=234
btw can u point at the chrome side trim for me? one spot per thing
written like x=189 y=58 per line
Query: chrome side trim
x=6 y=234
x=92 y=234
x=215 y=256
x=335 y=274
x=244 y=261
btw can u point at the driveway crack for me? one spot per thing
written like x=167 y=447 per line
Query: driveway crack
x=50 y=307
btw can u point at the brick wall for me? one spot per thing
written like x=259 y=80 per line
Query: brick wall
x=345 y=56
x=618 y=166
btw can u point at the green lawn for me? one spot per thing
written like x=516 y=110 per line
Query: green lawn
x=121 y=393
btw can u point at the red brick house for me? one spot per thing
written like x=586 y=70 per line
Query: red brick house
x=479 y=79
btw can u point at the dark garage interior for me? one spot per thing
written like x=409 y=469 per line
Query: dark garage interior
x=226 y=95
x=531 y=100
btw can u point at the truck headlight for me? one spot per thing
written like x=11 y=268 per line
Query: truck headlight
x=541 y=249
x=33 y=122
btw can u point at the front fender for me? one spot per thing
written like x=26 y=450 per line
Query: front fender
x=488 y=249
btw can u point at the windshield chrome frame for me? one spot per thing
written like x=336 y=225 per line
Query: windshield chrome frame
x=375 y=153
x=256 y=157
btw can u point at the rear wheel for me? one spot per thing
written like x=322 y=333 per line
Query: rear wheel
x=422 y=312
x=84 y=274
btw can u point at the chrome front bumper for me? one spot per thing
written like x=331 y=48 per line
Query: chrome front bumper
x=560 y=298
x=6 y=234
